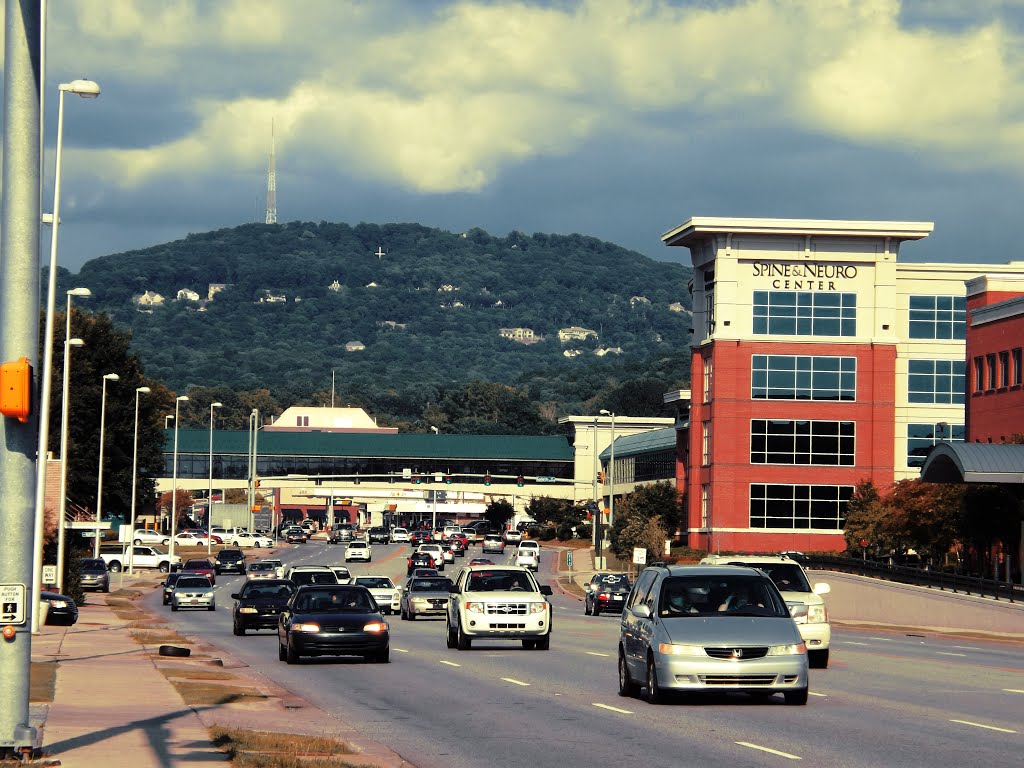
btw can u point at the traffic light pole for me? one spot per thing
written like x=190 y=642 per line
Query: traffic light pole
x=19 y=338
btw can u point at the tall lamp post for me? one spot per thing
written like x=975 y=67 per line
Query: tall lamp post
x=99 y=479
x=89 y=90
x=174 y=481
x=209 y=498
x=254 y=428
x=611 y=477
x=62 y=501
x=135 y=474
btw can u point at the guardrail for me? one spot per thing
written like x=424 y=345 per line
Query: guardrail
x=941 y=580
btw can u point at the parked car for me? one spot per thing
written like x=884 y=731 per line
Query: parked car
x=358 y=549
x=193 y=592
x=805 y=602
x=609 y=594
x=419 y=560
x=399 y=535
x=200 y=566
x=493 y=542
x=338 y=620
x=247 y=539
x=62 y=611
x=168 y=587
x=95 y=575
x=709 y=628
x=189 y=539
x=229 y=561
x=387 y=596
x=258 y=604
x=150 y=536
x=425 y=596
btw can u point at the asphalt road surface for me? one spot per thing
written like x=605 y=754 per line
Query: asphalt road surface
x=885 y=700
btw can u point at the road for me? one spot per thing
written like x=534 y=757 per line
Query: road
x=885 y=700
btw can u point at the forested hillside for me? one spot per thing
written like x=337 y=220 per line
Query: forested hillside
x=425 y=303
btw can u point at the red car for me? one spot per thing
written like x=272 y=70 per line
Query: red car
x=202 y=567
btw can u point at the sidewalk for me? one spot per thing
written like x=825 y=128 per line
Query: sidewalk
x=113 y=706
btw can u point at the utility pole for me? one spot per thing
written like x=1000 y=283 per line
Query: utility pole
x=19 y=338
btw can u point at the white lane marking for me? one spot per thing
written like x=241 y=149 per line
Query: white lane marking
x=400 y=650
x=982 y=725
x=595 y=653
x=967 y=647
x=612 y=709
x=770 y=751
x=450 y=663
x=822 y=695
x=1014 y=690
x=947 y=653
x=854 y=642
x=885 y=639
x=514 y=682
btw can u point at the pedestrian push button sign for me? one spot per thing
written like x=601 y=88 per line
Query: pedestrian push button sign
x=12 y=603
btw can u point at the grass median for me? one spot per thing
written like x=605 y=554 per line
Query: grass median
x=260 y=749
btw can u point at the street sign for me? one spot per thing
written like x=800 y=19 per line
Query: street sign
x=568 y=559
x=49 y=574
x=12 y=603
x=639 y=556
x=546 y=479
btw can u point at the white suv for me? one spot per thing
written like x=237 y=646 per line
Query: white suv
x=498 y=602
x=805 y=604
x=528 y=555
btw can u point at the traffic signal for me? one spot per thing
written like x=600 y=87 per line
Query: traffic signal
x=448 y=479
x=417 y=479
x=487 y=479
x=257 y=483
x=519 y=481
x=600 y=478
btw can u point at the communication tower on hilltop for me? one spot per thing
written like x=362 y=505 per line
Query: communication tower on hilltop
x=271 y=183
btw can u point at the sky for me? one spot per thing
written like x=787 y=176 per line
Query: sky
x=617 y=119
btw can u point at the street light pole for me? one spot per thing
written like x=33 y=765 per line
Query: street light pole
x=99 y=479
x=86 y=89
x=135 y=476
x=62 y=500
x=209 y=498
x=174 y=482
x=611 y=478
x=254 y=427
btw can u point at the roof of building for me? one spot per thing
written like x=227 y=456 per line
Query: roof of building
x=404 y=445
x=974 y=463
x=645 y=442
x=700 y=227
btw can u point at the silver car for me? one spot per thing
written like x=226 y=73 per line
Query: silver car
x=709 y=628
x=425 y=597
x=193 y=592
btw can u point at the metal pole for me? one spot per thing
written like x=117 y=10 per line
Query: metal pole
x=135 y=477
x=19 y=337
x=99 y=479
x=209 y=497
x=62 y=501
x=593 y=491
x=174 y=479
x=255 y=473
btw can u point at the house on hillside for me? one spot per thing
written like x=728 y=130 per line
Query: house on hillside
x=447 y=288
x=268 y=297
x=642 y=301
x=214 y=288
x=355 y=346
x=149 y=299
x=335 y=286
x=602 y=351
x=675 y=306
x=187 y=294
x=575 y=333
x=572 y=353
x=522 y=335
x=371 y=284
x=392 y=325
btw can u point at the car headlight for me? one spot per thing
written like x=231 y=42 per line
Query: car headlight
x=247 y=609
x=794 y=649
x=538 y=607
x=420 y=600
x=376 y=627
x=475 y=607
x=308 y=626
x=673 y=649
x=816 y=614
x=58 y=604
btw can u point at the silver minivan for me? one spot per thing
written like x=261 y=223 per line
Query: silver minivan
x=709 y=628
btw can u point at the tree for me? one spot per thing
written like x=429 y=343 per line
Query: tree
x=548 y=511
x=640 y=519
x=498 y=513
x=182 y=509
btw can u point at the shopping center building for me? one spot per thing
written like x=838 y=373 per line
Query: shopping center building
x=819 y=361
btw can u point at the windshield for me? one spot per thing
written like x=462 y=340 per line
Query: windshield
x=314 y=577
x=94 y=565
x=334 y=600
x=430 y=585
x=788 y=577
x=375 y=583
x=499 y=581
x=278 y=591
x=729 y=595
x=193 y=583
x=261 y=567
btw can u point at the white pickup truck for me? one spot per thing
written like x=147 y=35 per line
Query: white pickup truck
x=116 y=558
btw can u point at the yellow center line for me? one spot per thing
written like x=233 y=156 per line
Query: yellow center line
x=768 y=750
x=982 y=725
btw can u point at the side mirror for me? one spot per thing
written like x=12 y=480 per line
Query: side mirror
x=822 y=588
x=545 y=589
x=641 y=611
x=587 y=587
x=236 y=596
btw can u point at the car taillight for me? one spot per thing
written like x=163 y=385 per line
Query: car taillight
x=602 y=596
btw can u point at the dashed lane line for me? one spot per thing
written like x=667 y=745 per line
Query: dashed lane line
x=947 y=653
x=821 y=695
x=982 y=725
x=450 y=663
x=769 y=750
x=611 y=708
x=400 y=650
x=515 y=682
x=854 y=642
x=595 y=653
x=1013 y=690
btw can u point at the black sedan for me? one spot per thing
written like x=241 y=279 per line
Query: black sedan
x=172 y=579
x=378 y=535
x=260 y=603
x=418 y=560
x=332 y=620
x=420 y=537
x=229 y=561
x=62 y=611
x=94 y=575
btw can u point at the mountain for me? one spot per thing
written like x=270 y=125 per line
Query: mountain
x=425 y=304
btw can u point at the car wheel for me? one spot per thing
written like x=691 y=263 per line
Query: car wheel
x=529 y=643
x=595 y=611
x=817 y=659
x=115 y=567
x=654 y=693
x=282 y=655
x=586 y=607
x=213 y=607
x=463 y=641
x=164 y=567
x=291 y=655
x=166 y=601
x=165 y=542
x=543 y=643
x=384 y=657
x=412 y=615
x=798 y=698
x=451 y=640
x=174 y=607
x=106 y=588
x=627 y=687
x=258 y=545
x=238 y=629
x=137 y=542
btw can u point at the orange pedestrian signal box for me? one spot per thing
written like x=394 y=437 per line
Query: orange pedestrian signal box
x=16 y=389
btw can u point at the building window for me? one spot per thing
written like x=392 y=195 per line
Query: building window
x=708 y=378
x=709 y=302
x=936 y=381
x=788 y=507
x=1004 y=369
x=1017 y=373
x=705 y=506
x=776 y=441
x=979 y=374
x=803 y=377
x=789 y=313
x=921 y=438
x=938 y=317
x=990 y=369
x=705 y=443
